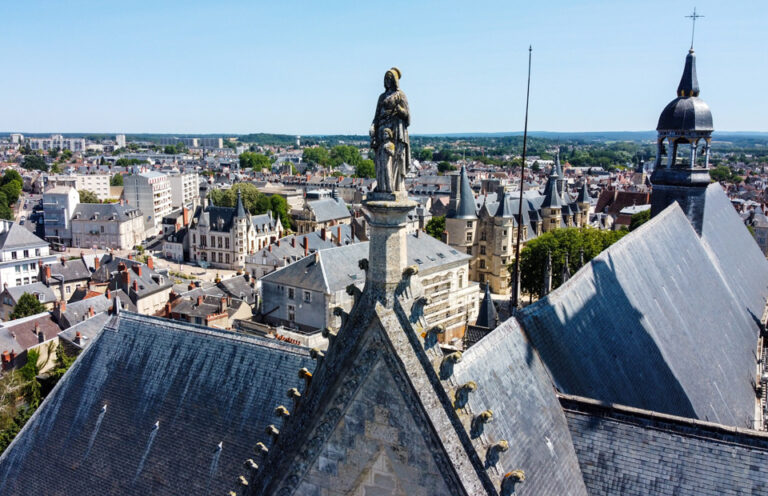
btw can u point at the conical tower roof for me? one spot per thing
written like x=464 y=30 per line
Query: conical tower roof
x=487 y=317
x=584 y=196
x=240 y=208
x=552 y=198
x=466 y=207
x=689 y=82
x=687 y=112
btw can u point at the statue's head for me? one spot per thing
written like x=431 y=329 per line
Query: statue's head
x=392 y=78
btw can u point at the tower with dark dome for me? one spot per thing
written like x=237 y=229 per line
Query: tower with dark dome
x=681 y=172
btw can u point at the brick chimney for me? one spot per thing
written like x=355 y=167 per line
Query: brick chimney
x=293 y=242
x=96 y=263
x=185 y=216
x=91 y=312
x=270 y=248
x=130 y=257
x=222 y=304
x=191 y=286
x=126 y=276
x=306 y=246
x=63 y=306
x=78 y=337
x=108 y=294
x=135 y=286
x=338 y=236
x=120 y=267
x=323 y=234
x=46 y=274
x=199 y=300
x=150 y=262
x=278 y=242
x=137 y=269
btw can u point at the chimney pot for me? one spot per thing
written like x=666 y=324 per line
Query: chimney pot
x=108 y=294
x=96 y=263
x=135 y=285
x=63 y=306
x=199 y=300
x=323 y=234
x=293 y=242
x=306 y=246
x=150 y=262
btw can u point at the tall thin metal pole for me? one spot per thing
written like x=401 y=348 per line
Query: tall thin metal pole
x=515 y=301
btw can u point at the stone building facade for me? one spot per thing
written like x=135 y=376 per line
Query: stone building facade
x=108 y=225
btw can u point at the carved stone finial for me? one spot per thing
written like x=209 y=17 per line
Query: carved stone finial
x=273 y=432
x=478 y=423
x=339 y=312
x=411 y=271
x=305 y=374
x=510 y=480
x=316 y=354
x=462 y=394
x=260 y=448
x=242 y=481
x=430 y=337
x=363 y=264
x=327 y=334
x=446 y=366
x=354 y=291
x=494 y=450
x=282 y=411
x=251 y=465
x=295 y=395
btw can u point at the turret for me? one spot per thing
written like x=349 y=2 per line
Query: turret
x=551 y=207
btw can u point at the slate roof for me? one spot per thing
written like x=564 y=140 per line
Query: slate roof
x=199 y=386
x=105 y=211
x=88 y=330
x=23 y=330
x=514 y=385
x=466 y=207
x=628 y=451
x=18 y=237
x=651 y=323
x=687 y=112
x=487 y=316
x=78 y=311
x=35 y=288
x=70 y=270
x=238 y=287
x=336 y=268
x=328 y=209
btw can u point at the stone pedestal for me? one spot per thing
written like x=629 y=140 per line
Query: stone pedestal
x=387 y=258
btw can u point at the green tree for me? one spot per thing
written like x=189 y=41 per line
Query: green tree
x=117 y=180
x=317 y=155
x=254 y=201
x=436 y=227
x=425 y=154
x=345 y=153
x=11 y=175
x=55 y=168
x=559 y=242
x=445 y=167
x=12 y=191
x=169 y=150
x=34 y=162
x=88 y=196
x=366 y=168
x=255 y=161
x=127 y=162
x=721 y=173
x=53 y=153
x=27 y=305
x=279 y=206
x=639 y=219
x=66 y=155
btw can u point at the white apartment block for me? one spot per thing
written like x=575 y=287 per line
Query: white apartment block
x=76 y=145
x=150 y=192
x=120 y=141
x=20 y=252
x=185 y=189
x=96 y=183
x=211 y=142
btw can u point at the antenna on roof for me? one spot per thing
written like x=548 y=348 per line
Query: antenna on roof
x=514 y=302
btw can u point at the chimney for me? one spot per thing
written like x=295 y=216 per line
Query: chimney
x=293 y=242
x=120 y=267
x=136 y=286
x=168 y=309
x=278 y=242
x=63 y=306
x=108 y=294
x=270 y=248
x=306 y=246
x=130 y=257
x=199 y=300
x=91 y=313
x=322 y=234
x=37 y=328
x=122 y=202
x=137 y=269
x=185 y=216
x=223 y=304
x=150 y=263
x=78 y=337
x=46 y=274
x=96 y=262
x=126 y=280
x=338 y=235
x=63 y=262
x=191 y=286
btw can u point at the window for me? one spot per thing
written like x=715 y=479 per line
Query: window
x=37 y=252
x=307 y=297
x=226 y=243
x=193 y=238
x=18 y=282
x=26 y=280
x=219 y=241
x=69 y=290
x=34 y=279
x=291 y=313
x=482 y=264
x=469 y=250
x=505 y=232
x=18 y=268
x=482 y=277
x=482 y=236
x=469 y=237
x=14 y=255
x=26 y=253
x=469 y=223
x=482 y=249
x=102 y=229
x=220 y=259
x=290 y=293
x=227 y=258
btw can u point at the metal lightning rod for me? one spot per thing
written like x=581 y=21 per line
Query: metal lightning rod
x=515 y=303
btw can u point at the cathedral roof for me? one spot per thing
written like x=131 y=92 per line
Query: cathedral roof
x=657 y=322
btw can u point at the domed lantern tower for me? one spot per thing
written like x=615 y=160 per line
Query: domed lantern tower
x=681 y=172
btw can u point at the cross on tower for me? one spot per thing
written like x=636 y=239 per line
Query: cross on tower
x=693 y=18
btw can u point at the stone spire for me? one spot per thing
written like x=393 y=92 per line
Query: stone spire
x=240 y=208
x=583 y=196
x=552 y=198
x=560 y=177
x=566 y=270
x=487 y=316
x=547 y=286
x=462 y=204
x=689 y=82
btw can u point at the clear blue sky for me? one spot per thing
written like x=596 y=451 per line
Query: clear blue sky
x=316 y=67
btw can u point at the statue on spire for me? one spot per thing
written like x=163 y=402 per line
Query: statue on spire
x=389 y=136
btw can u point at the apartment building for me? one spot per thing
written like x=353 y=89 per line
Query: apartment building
x=150 y=192
x=76 y=145
x=59 y=204
x=185 y=189
x=20 y=251
x=107 y=225
x=95 y=183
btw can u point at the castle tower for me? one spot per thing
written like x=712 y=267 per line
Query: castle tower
x=681 y=172
x=584 y=201
x=461 y=220
x=551 y=207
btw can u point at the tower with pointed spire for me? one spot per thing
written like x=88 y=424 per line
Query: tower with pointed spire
x=681 y=171
x=551 y=207
x=461 y=219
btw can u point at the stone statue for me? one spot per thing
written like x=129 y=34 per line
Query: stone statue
x=389 y=136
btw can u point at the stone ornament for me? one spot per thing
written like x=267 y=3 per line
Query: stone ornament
x=389 y=136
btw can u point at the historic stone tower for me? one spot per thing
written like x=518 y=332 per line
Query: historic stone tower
x=681 y=173
x=551 y=207
x=461 y=220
